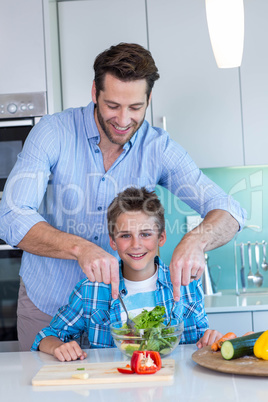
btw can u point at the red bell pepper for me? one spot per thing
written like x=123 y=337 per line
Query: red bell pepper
x=145 y=362
x=125 y=370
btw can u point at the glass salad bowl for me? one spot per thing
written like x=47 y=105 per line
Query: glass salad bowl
x=162 y=338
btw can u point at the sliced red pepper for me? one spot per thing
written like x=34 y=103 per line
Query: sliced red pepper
x=125 y=370
x=145 y=362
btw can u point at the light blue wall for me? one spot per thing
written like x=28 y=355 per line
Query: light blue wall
x=248 y=185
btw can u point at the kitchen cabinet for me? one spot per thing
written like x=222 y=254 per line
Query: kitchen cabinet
x=52 y=59
x=260 y=321
x=86 y=29
x=22 y=67
x=237 y=322
x=254 y=80
x=201 y=103
x=29 y=49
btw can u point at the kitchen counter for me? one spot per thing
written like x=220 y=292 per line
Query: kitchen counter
x=228 y=301
x=191 y=382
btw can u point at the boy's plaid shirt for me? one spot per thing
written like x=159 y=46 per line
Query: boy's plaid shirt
x=91 y=309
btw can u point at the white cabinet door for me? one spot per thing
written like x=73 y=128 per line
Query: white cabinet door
x=22 y=66
x=254 y=79
x=239 y=323
x=86 y=29
x=201 y=102
x=260 y=321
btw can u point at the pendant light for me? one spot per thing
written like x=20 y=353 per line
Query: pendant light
x=226 y=29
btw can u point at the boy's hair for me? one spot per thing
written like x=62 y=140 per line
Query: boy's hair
x=136 y=200
x=127 y=62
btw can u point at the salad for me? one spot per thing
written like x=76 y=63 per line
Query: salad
x=150 y=333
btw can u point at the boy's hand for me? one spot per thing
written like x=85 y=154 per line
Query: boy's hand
x=209 y=337
x=69 y=351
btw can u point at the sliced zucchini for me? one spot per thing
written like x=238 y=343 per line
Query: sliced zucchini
x=238 y=347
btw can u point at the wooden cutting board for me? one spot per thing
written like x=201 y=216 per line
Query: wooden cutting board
x=98 y=373
x=247 y=365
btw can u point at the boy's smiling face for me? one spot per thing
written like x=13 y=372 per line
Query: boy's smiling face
x=136 y=238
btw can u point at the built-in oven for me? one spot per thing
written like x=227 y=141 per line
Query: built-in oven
x=18 y=114
x=13 y=133
x=10 y=259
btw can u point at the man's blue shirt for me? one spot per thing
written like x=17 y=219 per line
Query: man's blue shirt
x=60 y=178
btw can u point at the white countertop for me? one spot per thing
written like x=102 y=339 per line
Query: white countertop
x=230 y=302
x=191 y=383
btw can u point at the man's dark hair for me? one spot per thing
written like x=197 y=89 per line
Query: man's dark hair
x=127 y=62
x=136 y=200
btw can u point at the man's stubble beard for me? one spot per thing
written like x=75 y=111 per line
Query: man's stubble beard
x=107 y=132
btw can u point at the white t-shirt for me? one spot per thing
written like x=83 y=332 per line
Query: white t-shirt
x=141 y=296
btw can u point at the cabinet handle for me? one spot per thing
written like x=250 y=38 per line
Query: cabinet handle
x=164 y=122
x=17 y=123
x=4 y=247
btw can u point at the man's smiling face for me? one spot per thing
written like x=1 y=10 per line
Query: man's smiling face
x=120 y=108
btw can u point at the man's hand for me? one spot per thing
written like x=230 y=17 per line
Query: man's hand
x=188 y=259
x=209 y=337
x=99 y=266
x=187 y=264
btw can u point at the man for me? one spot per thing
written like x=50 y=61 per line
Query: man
x=74 y=163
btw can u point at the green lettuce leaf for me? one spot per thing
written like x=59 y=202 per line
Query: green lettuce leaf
x=150 y=319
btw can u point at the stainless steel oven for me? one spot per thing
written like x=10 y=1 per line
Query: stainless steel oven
x=13 y=133
x=18 y=114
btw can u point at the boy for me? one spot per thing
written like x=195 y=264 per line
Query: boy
x=136 y=227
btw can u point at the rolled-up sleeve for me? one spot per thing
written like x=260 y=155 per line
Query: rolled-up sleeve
x=68 y=324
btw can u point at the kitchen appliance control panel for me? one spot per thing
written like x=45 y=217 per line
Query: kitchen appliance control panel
x=23 y=105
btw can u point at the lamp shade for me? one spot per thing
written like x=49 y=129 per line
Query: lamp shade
x=226 y=30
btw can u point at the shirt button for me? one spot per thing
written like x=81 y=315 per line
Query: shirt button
x=97 y=151
x=96 y=238
x=103 y=179
x=123 y=291
x=99 y=208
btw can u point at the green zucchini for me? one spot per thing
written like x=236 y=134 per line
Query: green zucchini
x=238 y=347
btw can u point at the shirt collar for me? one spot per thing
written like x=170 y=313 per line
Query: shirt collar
x=161 y=273
x=89 y=121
